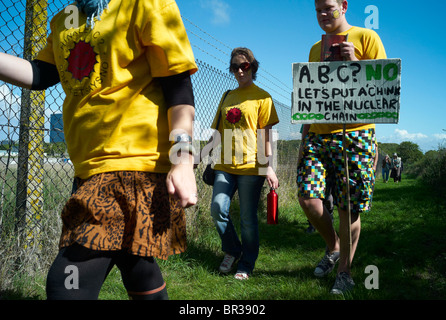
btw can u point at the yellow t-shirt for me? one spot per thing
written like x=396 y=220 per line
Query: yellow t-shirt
x=368 y=46
x=114 y=113
x=243 y=112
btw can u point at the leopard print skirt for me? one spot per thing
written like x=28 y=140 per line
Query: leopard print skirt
x=127 y=210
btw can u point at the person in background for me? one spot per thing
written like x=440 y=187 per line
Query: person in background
x=243 y=112
x=386 y=164
x=128 y=117
x=396 y=166
x=322 y=151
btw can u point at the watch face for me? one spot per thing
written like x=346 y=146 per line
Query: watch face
x=183 y=138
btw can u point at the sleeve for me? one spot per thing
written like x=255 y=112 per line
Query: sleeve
x=45 y=75
x=177 y=89
x=373 y=46
x=315 y=53
x=267 y=113
x=163 y=33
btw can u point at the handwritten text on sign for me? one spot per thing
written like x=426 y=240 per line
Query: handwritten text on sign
x=366 y=91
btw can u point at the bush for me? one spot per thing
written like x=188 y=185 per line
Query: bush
x=431 y=169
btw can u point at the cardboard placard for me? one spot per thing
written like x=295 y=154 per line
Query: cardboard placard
x=366 y=91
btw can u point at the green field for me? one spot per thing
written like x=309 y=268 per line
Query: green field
x=403 y=236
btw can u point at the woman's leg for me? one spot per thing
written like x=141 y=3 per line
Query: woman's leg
x=77 y=273
x=225 y=186
x=249 y=189
x=142 y=277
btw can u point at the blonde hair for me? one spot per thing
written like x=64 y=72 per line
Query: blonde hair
x=338 y=1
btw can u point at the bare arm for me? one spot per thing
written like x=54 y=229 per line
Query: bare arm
x=271 y=177
x=375 y=162
x=305 y=129
x=16 y=71
x=181 y=178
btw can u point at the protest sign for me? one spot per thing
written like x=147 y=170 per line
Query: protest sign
x=366 y=91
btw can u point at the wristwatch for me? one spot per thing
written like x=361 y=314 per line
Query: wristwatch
x=184 y=137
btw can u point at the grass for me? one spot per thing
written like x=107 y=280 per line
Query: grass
x=403 y=236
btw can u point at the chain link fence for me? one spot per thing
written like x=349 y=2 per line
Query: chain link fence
x=35 y=171
x=35 y=175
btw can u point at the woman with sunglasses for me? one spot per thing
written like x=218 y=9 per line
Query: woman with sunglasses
x=244 y=120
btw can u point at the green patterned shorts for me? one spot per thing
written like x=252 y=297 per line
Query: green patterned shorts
x=323 y=157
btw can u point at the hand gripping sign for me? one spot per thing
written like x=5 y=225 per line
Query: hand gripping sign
x=366 y=91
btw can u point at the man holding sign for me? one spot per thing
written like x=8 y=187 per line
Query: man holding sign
x=321 y=152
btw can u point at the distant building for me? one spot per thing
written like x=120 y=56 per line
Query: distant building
x=56 y=128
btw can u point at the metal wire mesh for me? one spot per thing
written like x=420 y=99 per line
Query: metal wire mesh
x=35 y=177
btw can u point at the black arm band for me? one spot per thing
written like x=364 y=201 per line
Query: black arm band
x=45 y=75
x=177 y=89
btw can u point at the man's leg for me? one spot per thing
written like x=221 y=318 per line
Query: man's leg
x=320 y=218
x=355 y=228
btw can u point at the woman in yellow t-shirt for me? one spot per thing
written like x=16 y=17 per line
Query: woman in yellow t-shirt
x=125 y=68
x=244 y=162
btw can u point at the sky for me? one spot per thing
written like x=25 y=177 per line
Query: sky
x=282 y=32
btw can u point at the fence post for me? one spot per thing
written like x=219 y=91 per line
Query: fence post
x=29 y=201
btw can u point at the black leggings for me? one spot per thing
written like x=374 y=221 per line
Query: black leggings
x=78 y=274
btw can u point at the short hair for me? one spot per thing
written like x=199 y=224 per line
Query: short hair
x=338 y=1
x=249 y=56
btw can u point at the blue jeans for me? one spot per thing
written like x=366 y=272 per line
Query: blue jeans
x=385 y=174
x=249 y=188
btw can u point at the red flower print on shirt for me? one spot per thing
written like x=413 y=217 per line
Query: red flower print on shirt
x=234 y=115
x=81 y=60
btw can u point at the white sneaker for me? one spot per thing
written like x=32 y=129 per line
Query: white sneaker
x=227 y=264
x=343 y=283
x=327 y=264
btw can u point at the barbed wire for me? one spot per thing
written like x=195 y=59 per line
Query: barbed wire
x=206 y=33
x=281 y=89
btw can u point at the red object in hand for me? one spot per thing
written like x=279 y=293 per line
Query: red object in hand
x=273 y=207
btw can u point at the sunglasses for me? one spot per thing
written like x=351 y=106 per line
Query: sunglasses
x=245 y=66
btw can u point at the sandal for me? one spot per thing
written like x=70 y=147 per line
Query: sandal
x=241 y=275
